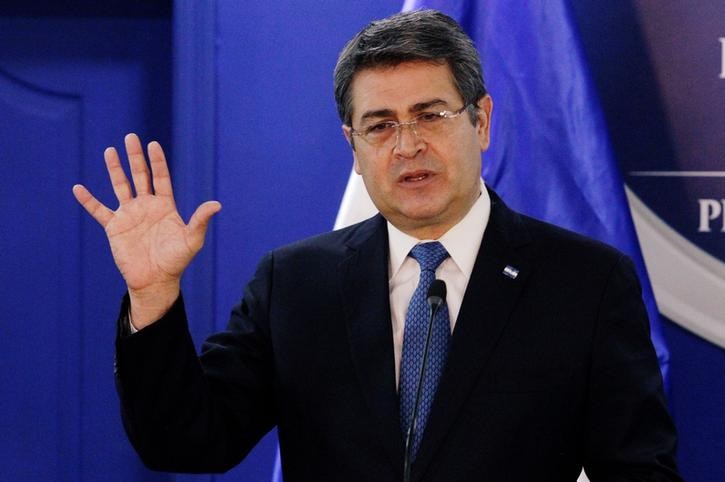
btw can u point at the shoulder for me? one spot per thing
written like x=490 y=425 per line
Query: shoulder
x=552 y=238
x=334 y=245
x=555 y=249
x=288 y=275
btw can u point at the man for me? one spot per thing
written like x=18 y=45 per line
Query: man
x=540 y=360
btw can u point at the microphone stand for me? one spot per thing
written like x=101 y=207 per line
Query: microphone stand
x=435 y=300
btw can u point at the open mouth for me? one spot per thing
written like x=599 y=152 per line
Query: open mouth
x=416 y=177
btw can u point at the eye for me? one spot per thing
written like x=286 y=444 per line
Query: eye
x=379 y=128
x=428 y=117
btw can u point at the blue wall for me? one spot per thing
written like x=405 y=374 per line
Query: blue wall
x=69 y=85
x=241 y=94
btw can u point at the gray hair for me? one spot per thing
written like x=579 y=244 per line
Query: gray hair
x=421 y=35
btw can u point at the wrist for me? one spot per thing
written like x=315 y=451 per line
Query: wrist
x=149 y=304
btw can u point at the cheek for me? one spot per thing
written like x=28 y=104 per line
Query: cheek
x=370 y=167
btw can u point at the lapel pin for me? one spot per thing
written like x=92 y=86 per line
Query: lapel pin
x=510 y=271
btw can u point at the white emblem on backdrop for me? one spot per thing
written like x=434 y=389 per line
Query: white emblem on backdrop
x=689 y=283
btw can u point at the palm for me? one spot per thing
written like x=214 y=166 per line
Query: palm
x=150 y=243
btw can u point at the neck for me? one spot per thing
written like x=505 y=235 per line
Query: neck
x=434 y=229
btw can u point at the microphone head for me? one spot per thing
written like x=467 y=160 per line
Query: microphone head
x=437 y=292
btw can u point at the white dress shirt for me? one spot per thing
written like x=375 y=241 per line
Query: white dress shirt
x=462 y=242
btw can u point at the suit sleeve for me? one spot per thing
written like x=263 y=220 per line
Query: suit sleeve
x=630 y=435
x=185 y=413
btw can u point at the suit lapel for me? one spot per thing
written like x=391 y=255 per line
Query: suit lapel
x=489 y=299
x=364 y=289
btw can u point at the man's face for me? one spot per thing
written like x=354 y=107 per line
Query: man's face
x=424 y=186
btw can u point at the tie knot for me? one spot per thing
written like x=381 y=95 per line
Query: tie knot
x=429 y=255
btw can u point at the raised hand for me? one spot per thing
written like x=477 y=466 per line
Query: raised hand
x=150 y=243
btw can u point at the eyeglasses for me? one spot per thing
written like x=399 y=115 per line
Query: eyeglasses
x=426 y=126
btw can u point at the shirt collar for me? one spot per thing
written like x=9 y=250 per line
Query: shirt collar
x=462 y=241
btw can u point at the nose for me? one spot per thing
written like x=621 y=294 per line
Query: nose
x=409 y=144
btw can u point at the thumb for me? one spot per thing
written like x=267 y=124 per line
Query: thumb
x=199 y=222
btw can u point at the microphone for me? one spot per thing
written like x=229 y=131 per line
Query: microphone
x=436 y=297
x=437 y=294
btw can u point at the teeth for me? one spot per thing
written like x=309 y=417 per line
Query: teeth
x=417 y=178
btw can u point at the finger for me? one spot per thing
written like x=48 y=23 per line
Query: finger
x=199 y=223
x=95 y=208
x=119 y=181
x=160 y=170
x=139 y=168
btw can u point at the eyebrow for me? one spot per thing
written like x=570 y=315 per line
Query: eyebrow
x=420 y=106
x=371 y=114
x=427 y=105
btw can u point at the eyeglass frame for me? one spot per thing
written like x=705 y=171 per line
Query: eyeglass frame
x=398 y=126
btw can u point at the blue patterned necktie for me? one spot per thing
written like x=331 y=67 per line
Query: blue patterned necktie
x=429 y=256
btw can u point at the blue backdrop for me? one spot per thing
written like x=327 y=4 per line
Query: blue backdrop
x=241 y=93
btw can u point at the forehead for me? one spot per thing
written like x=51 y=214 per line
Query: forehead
x=399 y=88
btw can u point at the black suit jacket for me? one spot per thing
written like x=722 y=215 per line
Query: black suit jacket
x=548 y=371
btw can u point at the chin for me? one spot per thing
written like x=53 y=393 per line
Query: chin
x=424 y=211
x=421 y=218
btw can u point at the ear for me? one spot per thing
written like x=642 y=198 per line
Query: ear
x=347 y=131
x=483 y=129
